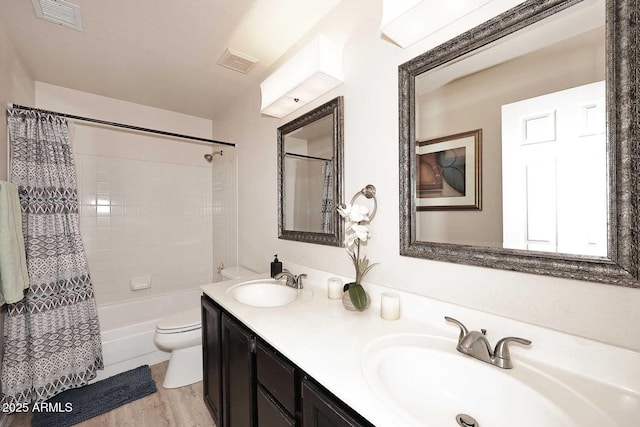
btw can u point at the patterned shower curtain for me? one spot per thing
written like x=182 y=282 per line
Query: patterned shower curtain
x=327 y=197
x=52 y=337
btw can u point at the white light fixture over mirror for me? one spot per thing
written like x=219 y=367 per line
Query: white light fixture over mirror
x=312 y=71
x=407 y=21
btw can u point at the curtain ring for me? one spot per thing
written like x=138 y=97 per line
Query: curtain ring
x=369 y=191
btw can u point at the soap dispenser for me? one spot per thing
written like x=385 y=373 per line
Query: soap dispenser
x=276 y=266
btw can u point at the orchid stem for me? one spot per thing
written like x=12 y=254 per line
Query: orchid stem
x=358 y=261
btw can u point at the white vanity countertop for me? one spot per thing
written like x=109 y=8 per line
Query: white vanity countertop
x=327 y=342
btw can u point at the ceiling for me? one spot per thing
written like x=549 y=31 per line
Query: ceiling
x=161 y=54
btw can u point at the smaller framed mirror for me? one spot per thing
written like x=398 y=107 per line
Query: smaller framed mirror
x=310 y=181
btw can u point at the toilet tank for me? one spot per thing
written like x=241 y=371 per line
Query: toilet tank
x=236 y=272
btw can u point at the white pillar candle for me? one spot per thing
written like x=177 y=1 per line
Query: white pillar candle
x=335 y=286
x=390 y=306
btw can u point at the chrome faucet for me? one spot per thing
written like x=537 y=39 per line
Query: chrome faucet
x=475 y=344
x=292 y=280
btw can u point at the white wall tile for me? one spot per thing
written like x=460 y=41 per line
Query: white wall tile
x=155 y=225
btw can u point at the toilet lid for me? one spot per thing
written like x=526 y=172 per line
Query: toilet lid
x=182 y=321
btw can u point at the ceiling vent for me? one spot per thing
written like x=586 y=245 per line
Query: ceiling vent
x=237 y=61
x=60 y=12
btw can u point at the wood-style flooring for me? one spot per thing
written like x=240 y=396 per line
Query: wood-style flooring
x=167 y=407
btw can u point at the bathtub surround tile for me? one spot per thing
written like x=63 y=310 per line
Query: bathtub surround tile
x=116 y=221
x=103 y=276
x=87 y=198
x=102 y=177
x=87 y=211
x=130 y=199
x=87 y=168
x=117 y=210
x=223 y=206
x=117 y=199
x=103 y=199
x=103 y=210
x=105 y=244
x=103 y=222
x=103 y=186
x=146 y=218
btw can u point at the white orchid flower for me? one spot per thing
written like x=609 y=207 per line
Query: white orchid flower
x=350 y=239
x=361 y=232
x=359 y=213
x=353 y=213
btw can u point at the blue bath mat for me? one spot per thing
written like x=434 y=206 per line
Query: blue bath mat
x=79 y=404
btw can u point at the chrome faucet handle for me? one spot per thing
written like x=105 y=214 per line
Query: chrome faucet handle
x=290 y=278
x=299 y=278
x=502 y=351
x=463 y=329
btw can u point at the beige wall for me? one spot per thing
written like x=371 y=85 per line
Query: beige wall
x=474 y=102
x=16 y=85
x=147 y=206
x=601 y=312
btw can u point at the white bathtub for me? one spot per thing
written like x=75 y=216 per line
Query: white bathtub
x=127 y=329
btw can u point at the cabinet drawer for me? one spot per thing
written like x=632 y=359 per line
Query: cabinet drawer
x=269 y=413
x=277 y=376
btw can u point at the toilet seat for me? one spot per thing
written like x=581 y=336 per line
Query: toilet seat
x=184 y=321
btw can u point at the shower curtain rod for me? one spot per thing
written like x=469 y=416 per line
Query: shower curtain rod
x=306 y=157
x=125 y=126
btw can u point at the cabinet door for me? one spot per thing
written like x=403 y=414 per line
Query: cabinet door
x=237 y=375
x=319 y=409
x=269 y=412
x=211 y=359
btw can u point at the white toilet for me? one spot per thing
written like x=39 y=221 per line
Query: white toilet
x=181 y=334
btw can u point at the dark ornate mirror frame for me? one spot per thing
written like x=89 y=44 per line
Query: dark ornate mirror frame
x=332 y=108
x=622 y=265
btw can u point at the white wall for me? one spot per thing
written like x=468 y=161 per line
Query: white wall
x=147 y=205
x=601 y=312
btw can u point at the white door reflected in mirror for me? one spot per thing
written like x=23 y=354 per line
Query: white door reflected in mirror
x=554 y=186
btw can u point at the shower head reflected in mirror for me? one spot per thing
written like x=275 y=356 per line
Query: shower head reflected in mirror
x=209 y=157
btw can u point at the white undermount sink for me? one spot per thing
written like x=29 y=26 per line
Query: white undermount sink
x=266 y=293
x=424 y=378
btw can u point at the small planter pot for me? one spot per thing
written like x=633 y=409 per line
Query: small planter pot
x=346 y=300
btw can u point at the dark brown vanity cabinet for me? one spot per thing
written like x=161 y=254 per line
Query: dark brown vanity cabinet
x=238 y=382
x=247 y=383
x=212 y=359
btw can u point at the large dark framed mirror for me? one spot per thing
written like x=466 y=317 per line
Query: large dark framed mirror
x=310 y=182
x=552 y=85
